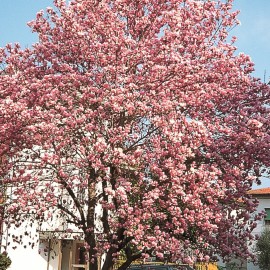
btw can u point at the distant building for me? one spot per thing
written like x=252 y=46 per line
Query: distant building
x=263 y=196
x=50 y=247
x=50 y=252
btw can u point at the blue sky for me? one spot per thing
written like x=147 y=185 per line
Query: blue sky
x=14 y=15
x=253 y=33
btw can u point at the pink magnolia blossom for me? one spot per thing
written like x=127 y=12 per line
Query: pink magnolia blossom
x=136 y=119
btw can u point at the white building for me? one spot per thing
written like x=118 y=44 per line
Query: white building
x=263 y=196
x=47 y=247
x=44 y=250
x=54 y=245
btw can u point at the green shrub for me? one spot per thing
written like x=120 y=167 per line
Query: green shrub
x=263 y=250
x=5 y=261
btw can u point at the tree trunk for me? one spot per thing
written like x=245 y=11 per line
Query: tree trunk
x=90 y=237
x=93 y=260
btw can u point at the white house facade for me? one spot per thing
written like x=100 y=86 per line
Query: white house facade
x=44 y=250
x=53 y=245
x=263 y=196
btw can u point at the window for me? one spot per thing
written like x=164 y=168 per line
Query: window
x=80 y=256
x=267 y=218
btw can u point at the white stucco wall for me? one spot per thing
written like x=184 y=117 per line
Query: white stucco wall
x=30 y=259
x=263 y=204
x=26 y=256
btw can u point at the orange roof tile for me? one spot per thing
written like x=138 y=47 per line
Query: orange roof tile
x=260 y=191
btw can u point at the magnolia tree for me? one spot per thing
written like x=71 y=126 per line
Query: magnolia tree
x=137 y=123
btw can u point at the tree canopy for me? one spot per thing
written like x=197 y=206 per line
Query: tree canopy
x=136 y=123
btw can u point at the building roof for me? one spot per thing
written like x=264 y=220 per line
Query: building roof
x=260 y=191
